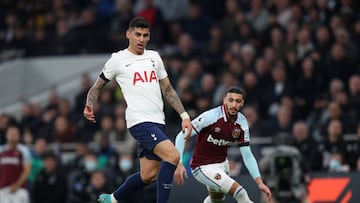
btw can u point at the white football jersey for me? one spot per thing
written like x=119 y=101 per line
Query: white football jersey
x=138 y=77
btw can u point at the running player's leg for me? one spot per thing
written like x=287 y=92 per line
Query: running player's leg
x=170 y=158
x=214 y=197
x=217 y=180
x=239 y=193
x=148 y=172
x=146 y=136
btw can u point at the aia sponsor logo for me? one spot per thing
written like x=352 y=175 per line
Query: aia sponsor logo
x=145 y=77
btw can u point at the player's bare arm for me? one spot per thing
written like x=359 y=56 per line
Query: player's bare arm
x=173 y=99
x=171 y=96
x=23 y=177
x=92 y=98
x=263 y=188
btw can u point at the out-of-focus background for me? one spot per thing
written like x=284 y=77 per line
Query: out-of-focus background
x=297 y=60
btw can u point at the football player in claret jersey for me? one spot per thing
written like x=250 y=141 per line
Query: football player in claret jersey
x=15 y=168
x=215 y=130
x=143 y=80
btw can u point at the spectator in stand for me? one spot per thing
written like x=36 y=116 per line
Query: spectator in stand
x=77 y=162
x=27 y=117
x=252 y=88
x=173 y=10
x=119 y=22
x=63 y=130
x=227 y=80
x=203 y=103
x=194 y=70
x=6 y=120
x=277 y=42
x=354 y=95
x=50 y=184
x=107 y=129
x=208 y=84
x=107 y=153
x=197 y=24
x=282 y=123
x=333 y=142
x=153 y=14
x=258 y=16
x=228 y=22
x=307 y=87
x=37 y=155
x=186 y=48
x=79 y=179
x=307 y=146
x=64 y=109
x=338 y=64
x=106 y=101
x=213 y=51
x=337 y=163
x=278 y=88
x=256 y=125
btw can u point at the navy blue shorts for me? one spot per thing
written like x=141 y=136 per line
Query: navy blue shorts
x=148 y=135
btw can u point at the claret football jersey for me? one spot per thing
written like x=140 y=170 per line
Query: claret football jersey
x=215 y=134
x=138 y=76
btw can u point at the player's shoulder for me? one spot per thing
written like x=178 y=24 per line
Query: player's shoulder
x=214 y=113
x=152 y=52
x=120 y=55
x=23 y=148
x=241 y=119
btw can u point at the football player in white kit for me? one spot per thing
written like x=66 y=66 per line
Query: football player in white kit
x=143 y=80
x=215 y=130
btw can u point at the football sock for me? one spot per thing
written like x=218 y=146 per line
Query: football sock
x=131 y=184
x=209 y=200
x=241 y=195
x=164 y=181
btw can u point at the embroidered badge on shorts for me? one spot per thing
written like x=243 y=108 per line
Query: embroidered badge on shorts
x=217 y=176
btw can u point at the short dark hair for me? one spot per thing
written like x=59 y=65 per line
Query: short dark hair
x=138 y=22
x=236 y=90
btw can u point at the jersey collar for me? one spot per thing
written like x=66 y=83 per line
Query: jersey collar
x=226 y=116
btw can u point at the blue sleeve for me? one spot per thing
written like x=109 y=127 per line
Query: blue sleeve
x=203 y=120
x=25 y=153
x=250 y=161
x=180 y=142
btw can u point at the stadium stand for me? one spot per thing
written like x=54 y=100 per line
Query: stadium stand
x=297 y=61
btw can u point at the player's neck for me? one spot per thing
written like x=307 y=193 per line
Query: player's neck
x=232 y=118
x=12 y=145
x=133 y=51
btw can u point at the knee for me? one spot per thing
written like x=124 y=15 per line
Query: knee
x=149 y=177
x=217 y=197
x=173 y=157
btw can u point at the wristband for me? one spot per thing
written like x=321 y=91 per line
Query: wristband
x=184 y=115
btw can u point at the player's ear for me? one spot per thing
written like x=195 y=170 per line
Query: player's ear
x=128 y=34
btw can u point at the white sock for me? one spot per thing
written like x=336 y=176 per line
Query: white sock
x=113 y=200
x=209 y=200
x=241 y=195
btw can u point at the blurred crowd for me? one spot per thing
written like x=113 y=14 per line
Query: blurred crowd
x=297 y=60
